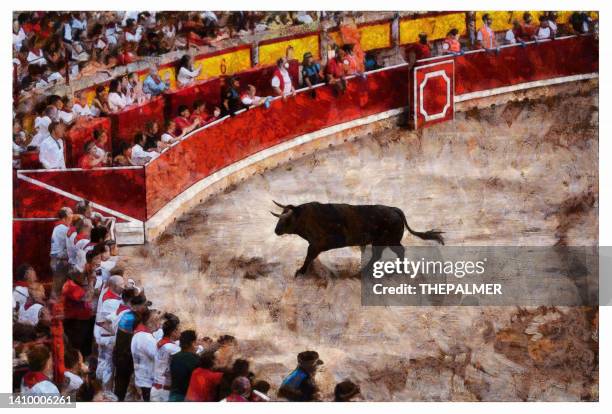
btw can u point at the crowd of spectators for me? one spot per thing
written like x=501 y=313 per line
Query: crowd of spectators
x=50 y=45
x=117 y=345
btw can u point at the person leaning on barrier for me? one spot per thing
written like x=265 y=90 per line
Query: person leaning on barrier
x=544 y=31
x=485 y=38
x=230 y=101
x=153 y=85
x=139 y=156
x=451 y=44
x=528 y=28
x=281 y=81
x=335 y=71
x=51 y=153
x=312 y=73
x=418 y=50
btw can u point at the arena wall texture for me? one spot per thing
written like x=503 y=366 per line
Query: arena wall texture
x=146 y=199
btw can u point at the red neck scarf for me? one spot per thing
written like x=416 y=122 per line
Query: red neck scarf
x=31 y=378
x=110 y=295
x=141 y=328
x=165 y=340
x=122 y=308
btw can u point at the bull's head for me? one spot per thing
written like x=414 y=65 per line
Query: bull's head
x=286 y=220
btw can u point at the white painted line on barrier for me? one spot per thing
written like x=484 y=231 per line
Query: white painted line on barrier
x=523 y=86
x=76 y=198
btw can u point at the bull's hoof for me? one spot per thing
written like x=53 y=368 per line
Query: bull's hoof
x=298 y=272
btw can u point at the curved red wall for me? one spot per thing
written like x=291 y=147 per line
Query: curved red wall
x=236 y=138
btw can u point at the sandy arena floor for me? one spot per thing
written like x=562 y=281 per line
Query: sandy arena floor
x=522 y=173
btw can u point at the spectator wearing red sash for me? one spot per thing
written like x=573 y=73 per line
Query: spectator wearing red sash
x=204 y=383
x=281 y=81
x=78 y=315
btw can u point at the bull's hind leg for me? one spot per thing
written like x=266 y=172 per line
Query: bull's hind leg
x=377 y=252
x=399 y=250
x=312 y=254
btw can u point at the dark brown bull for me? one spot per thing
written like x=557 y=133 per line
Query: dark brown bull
x=332 y=226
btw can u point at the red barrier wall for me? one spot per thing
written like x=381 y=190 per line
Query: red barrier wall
x=127 y=123
x=247 y=133
x=120 y=189
x=32 y=244
x=513 y=65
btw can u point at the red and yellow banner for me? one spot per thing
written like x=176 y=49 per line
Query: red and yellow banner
x=436 y=27
x=224 y=63
x=375 y=36
x=269 y=53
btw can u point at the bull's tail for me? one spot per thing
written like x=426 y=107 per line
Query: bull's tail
x=426 y=235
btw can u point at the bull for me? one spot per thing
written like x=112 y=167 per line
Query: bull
x=332 y=226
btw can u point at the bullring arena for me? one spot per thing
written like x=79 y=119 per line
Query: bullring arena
x=493 y=147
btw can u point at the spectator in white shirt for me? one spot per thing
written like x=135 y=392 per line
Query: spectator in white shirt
x=186 y=73
x=110 y=299
x=511 y=35
x=144 y=350
x=166 y=347
x=552 y=22
x=42 y=123
x=133 y=32
x=59 y=248
x=18 y=35
x=77 y=250
x=116 y=99
x=139 y=155
x=66 y=114
x=81 y=106
x=281 y=81
x=168 y=137
x=51 y=152
x=25 y=277
x=79 y=20
x=135 y=89
x=75 y=369
x=33 y=310
x=36 y=57
x=36 y=381
x=58 y=104
x=544 y=31
x=100 y=137
x=250 y=99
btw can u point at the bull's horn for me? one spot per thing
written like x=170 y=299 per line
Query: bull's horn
x=275 y=214
x=279 y=204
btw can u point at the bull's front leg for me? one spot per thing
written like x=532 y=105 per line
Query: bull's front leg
x=312 y=254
